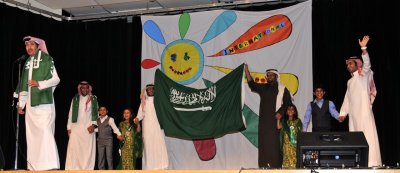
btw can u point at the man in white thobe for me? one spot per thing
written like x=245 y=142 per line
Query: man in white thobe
x=83 y=113
x=35 y=93
x=358 y=102
x=155 y=155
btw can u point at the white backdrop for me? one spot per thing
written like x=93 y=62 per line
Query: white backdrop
x=167 y=39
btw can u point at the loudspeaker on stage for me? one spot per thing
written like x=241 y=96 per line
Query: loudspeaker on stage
x=332 y=149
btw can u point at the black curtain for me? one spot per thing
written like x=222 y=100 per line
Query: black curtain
x=107 y=54
x=337 y=24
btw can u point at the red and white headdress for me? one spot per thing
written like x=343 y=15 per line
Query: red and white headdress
x=41 y=43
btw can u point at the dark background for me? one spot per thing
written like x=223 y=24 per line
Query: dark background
x=108 y=55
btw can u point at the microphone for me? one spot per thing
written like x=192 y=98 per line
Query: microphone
x=22 y=58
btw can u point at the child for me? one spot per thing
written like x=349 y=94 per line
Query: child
x=131 y=146
x=321 y=111
x=105 y=127
x=290 y=126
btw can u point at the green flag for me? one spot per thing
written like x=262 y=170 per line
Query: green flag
x=190 y=113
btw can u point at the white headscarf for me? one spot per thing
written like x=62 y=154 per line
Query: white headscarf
x=273 y=71
x=281 y=88
x=143 y=96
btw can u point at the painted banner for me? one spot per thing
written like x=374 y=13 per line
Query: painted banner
x=198 y=49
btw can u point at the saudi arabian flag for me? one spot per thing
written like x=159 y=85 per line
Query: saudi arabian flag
x=190 y=113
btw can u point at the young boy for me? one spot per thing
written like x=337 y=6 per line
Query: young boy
x=105 y=127
x=321 y=111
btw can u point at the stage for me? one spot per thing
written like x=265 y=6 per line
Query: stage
x=228 y=171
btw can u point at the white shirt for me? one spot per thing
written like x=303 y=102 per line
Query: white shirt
x=111 y=123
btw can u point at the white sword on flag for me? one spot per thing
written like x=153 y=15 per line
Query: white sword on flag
x=207 y=108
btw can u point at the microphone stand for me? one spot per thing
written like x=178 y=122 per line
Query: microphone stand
x=17 y=121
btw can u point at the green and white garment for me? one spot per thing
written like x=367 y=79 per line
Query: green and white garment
x=75 y=107
x=43 y=67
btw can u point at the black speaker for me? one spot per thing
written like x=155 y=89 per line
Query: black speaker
x=2 y=162
x=332 y=149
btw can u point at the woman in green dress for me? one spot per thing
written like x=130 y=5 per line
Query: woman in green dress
x=131 y=146
x=290 y=126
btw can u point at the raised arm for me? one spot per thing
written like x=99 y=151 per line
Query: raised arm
x=246 y=70
x=365 y=56
x=139 y=116
x=363 y=44
x=253 y=86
